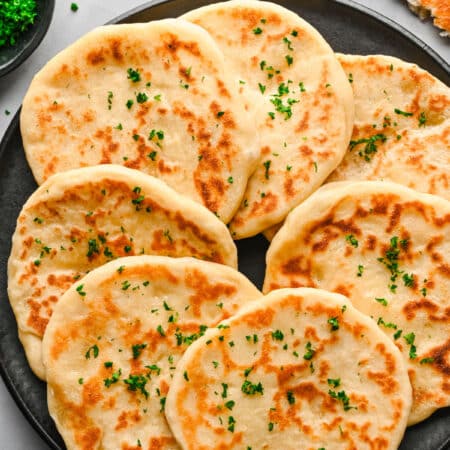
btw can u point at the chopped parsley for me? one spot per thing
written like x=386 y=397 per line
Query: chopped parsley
x=277 y=335
x=250 y=388
x=230 y=404
x=113 y=379
x=79 y=288
x=352 y=240
x=94 y=350
x=167 y=235
x=141 y=97
x=159 y=134
x=137 y=350
x=390 y=260
x=397 y=334
x=133 y=75
x=403 y=113
x=427 y=361
x=409 y=338
x=334 y=322
x=288 y=42
x=110 y=97
x=224 y=390
x=189 y=339
x=137 y=383
x=382 y=301
x=343 y=398
x=266 y=165
x=257 y=30
x=152 y=155
x=154 y=368
x=289 y=59
x=129 y=103
x=335 y=382
x=370 y=148
x=74 y=7
x=283 y=108
x=290 y=397
x=422 y=119
x=262 y=88
x=310 y=352
x=16 y=17
x=92 y=247
x=408 y=279
x=231 y=424
x=360 y=270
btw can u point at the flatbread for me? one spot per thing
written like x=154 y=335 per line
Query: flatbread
x=154 y=97
x=402 y=125
x=80 y=219
x=387 y=248
x=300 y=368
x=439 y=9
x=111 y=353
x=293 y=85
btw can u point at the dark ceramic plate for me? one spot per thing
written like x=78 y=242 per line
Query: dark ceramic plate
x=12 y=56
x=348 y=28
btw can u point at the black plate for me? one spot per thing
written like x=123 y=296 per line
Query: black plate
x=12 y=56
x=348 y=28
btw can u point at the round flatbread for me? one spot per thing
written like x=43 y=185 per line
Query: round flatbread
x=80 y=219
x=154 y=97
x=299 y=96
x=300 y=368
x=402 y=125
x=111 y=352
x=387 y=248
x=438 y=9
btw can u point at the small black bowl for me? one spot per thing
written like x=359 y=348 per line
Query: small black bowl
x=13 y=56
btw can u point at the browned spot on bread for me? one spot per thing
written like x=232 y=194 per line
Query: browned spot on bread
x=300 y=266
x=160 y=443
x=444 y=269
x=96 y=57
x=127 y=418
x=204 y=291
x=222 y=89
x=288 y=186
x=35 y=320
x=259 y=319
x=116 y=49
x=441 y=357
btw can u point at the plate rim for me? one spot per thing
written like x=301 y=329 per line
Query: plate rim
x=15 y=123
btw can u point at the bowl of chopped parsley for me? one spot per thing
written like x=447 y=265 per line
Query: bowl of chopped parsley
x=23 y=25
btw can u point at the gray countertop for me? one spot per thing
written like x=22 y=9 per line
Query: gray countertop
x=15 y=432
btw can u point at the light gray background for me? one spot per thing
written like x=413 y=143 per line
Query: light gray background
x=67 y=26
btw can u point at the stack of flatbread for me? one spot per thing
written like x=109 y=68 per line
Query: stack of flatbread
x=155 y=146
